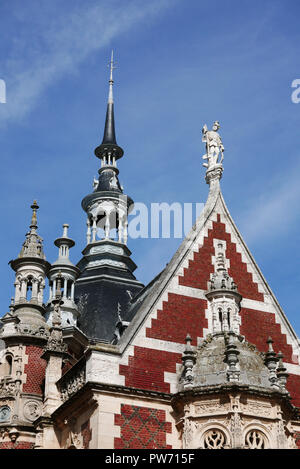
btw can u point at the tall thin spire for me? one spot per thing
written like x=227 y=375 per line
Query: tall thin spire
x=109 y=130
x=109 y=142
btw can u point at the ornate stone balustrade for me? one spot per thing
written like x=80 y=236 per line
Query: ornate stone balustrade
x=72 y=381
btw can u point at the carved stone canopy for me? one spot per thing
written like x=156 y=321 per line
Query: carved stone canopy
x=225 y=358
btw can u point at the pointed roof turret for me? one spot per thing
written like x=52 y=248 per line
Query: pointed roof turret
x=109 y=143
x=106 y=268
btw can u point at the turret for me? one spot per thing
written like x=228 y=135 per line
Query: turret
x=68 y=273
x=106 y=265
x=31 y=270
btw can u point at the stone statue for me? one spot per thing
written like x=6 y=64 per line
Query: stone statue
x=56 y=317
x=214 y=146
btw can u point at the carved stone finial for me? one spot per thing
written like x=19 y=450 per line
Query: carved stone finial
x=34 y=207
x=270 y=342
x=282 y=374
x=188 y=361
x=271 y=362
x=231 y=354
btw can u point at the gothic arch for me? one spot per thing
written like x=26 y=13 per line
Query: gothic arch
x=6 y=364
x=200 y=439
x=257 y=436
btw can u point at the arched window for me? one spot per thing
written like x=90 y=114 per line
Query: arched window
x=255 y=439
x=29 y=289
x=6 y=365
x=214 y=439
x=9 y=364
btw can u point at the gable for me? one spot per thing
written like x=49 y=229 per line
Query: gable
x=154 y=341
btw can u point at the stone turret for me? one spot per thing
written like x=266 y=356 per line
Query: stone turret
x=68 y=272
x=25 y=333
x=223 y=297
x=31 y=270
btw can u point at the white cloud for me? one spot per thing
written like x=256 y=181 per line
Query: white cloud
x=273 y=212
x=49 y=52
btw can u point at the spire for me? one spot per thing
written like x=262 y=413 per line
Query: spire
x=34 y=207
x=109 y=145
x=33 y=244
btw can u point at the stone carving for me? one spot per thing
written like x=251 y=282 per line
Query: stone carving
x=107 y=262
x=104 y=249
x=8 y=387
x=188 y=431
x=257 y=408
x=56 y=345
x=32 y=410
x=214 y=439
x=255 y=439
x=214 y=146
x=5 y=412
x=26 y=329
x=188 y=361
x=74 y=441
x=72 y=384
x=113 y=182
x=231 y=353
x=56 y=316
x=211 y=407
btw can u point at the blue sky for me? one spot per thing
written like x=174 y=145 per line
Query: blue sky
x=181 y=63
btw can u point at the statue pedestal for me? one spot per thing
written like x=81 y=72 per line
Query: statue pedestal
x=214 y=173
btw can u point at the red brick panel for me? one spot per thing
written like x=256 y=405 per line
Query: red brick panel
x=293 y=386
x=34 y=370
x=198 y=272
x=145 y=370
x=17 y=445
x=257 y=326
x=180 y=315
x=142 y=428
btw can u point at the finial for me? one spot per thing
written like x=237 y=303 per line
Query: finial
x=65 y=230
x=188 y=341
x=111 y=65
x=188 y=361
x=271 y=363
x=34 y=207
x=12 y=305
x=270 y=342
x=282 y=374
